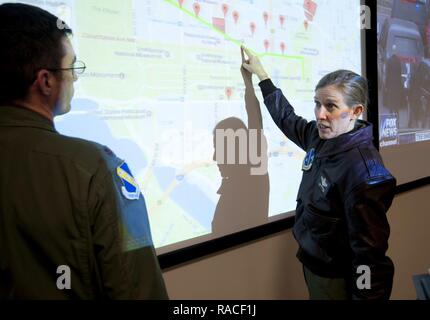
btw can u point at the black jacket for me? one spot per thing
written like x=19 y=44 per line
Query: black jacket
x=69 y=202
x=342 y=202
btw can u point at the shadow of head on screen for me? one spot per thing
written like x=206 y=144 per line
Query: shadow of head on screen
x=241 y=156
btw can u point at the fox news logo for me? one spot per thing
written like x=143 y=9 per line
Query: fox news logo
x=388 y=131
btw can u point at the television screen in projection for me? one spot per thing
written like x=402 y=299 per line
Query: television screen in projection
x=404 y=87
x=162 y=75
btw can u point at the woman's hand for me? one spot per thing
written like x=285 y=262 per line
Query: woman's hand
x=246 y=75
x=253 y=64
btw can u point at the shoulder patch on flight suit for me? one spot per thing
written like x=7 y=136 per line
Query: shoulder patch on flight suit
x=130 y=189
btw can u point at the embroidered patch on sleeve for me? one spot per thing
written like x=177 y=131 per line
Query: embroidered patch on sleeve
x=130 y=189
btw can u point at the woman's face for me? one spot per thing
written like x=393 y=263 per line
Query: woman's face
x=333 y=116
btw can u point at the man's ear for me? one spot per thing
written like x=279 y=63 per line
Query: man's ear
x=45 y=82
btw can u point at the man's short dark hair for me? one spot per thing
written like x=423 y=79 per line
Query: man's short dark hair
x=30 y=40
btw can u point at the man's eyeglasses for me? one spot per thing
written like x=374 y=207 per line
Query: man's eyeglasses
x=78 y=68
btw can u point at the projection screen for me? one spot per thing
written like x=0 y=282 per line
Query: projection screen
x=163 y=74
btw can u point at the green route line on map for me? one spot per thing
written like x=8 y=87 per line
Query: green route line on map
x=235 y=41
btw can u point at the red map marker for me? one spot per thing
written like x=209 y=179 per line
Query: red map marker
x=253 y=27
x=310 y=9
x=228 y=92
x=282 y=20
x=181 y=2
x=283 y=47
x=265 y=17
x=266 y=44
x=196 y=7
x=225 y=9
x=235 y=16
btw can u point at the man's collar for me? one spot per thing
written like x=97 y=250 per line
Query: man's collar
x=16 y=116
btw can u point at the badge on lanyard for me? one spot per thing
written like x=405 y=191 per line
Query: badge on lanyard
x=130 y=188
x=307 y=162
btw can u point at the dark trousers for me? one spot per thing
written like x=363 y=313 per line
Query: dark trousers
x=321 y=288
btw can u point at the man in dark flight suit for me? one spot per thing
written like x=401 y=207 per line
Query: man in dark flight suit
x=73 y=223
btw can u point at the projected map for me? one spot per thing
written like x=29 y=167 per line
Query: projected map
x=161 y=74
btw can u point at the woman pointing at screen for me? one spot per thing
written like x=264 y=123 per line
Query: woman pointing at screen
x=341 y=225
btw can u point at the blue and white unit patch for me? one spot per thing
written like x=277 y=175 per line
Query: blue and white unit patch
x=130 y=189
x=307 y=162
